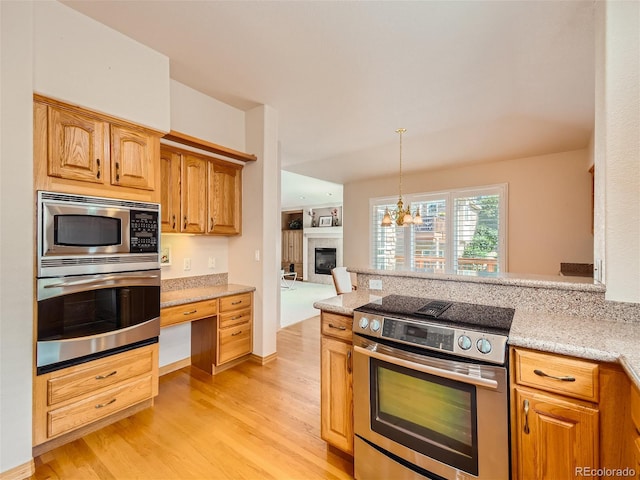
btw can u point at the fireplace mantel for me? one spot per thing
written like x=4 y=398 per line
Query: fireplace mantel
x=322 y=232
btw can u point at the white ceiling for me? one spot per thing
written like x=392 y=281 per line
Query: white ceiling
x=471 y=81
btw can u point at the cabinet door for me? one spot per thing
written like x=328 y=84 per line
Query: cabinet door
x=286 y=246
x=225 y=199
x=170 y=190
x=336 y=404
x=132 y=155
x=193 y=194
x=296 y=240
x=556 y=438
x=77 y=146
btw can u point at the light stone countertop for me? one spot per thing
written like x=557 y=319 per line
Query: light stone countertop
x=588 y=338
x=188 y=295
x=557 y=282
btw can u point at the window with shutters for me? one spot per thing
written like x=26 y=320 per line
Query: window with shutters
x=462 y=232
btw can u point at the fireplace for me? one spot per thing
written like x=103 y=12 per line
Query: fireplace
x=325 y=260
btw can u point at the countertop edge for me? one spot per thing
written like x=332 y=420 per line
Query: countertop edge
x=345 y=304
x=191 y=295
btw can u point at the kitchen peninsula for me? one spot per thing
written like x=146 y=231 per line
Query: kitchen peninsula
x=562 y=327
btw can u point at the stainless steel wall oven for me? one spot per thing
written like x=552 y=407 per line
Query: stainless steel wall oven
x=430 y=390
x=98 y=278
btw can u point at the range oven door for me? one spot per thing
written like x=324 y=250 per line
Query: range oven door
x=433 y=417
x=82 y=316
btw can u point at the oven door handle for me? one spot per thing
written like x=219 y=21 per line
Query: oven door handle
x=452 y=375
x=100 y=281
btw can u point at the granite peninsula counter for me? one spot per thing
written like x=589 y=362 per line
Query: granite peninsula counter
x=568 y=316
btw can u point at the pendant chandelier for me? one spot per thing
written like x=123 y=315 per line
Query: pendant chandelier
x=401 y=216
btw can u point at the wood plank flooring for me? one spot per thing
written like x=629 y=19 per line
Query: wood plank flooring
x=250 y=422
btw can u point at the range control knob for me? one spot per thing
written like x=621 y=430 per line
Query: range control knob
x=374 y=325
x=484 y=346
x=464 y=342
x=364 y=323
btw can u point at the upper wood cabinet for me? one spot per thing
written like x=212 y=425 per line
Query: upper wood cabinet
x=83 y=152
x=224 y=199
x=193 y=195
x=170 y=190
x=203 y=193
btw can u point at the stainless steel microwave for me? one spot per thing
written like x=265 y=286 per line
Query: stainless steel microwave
x=79 y=235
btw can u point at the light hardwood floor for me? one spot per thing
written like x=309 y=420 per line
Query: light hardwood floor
x=250 y=422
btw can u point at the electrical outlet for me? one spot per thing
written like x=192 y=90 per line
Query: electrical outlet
x=212 y=262
x=375 y=284
x=187 y=264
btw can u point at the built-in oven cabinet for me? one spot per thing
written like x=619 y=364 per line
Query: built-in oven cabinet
x=83 y=152
x=336 y=381
x=566 y=415
x=76 y=398
x=200 y=195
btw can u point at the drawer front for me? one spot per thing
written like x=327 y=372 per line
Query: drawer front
x=338 y=326
x=188 y=312
x=81 y=413
x=635 y=408
x=234 y=342
x=558 y=374
x=101 y=373
x=234 y=318
x=235 y=302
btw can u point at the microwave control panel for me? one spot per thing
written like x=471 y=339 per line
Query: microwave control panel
x=144 y=231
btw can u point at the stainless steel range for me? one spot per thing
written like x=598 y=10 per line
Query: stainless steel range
x=430 y=382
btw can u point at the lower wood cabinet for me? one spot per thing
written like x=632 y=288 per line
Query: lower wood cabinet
x=336 y=381
x=568 y=416
x=221 y=330
x=75 y=397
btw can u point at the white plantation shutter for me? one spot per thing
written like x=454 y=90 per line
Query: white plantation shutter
x=387 y=243
x=463 y=231
x=429 y=240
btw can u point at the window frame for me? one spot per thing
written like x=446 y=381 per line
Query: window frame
x=501 y=189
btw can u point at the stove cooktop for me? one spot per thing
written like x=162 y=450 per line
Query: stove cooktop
x=482 y=318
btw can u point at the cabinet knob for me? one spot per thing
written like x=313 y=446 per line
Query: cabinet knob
x=98 y=164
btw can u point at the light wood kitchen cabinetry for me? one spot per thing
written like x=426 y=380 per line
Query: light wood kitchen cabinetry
x=224 y=198
x=336 y=402
x=221 y=330
x=83 y=152
x=634 y=441
x=562 y=424
x=73 y=398
x=233 y=335
x=170 y=163
x=292 y=250
x=193 y=196
x=204 y=194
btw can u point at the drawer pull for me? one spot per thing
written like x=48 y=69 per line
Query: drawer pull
x=102 y=377
x=540 y=373
x=340 y=327
x=190 y=313
x=526 y=417
x=236 y=303
x=349 y=361
x=237 y=333
x=237 y=317
x=102 y=405
x=173 y=218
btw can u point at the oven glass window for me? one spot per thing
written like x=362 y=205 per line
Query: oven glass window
x=87 y=230
x=429 y=414
x=94 y=312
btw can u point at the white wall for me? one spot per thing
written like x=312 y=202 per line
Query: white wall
x=549 y=208
x=16 y=232
x=261 y=228
x=618 y=145
x=84 y=62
